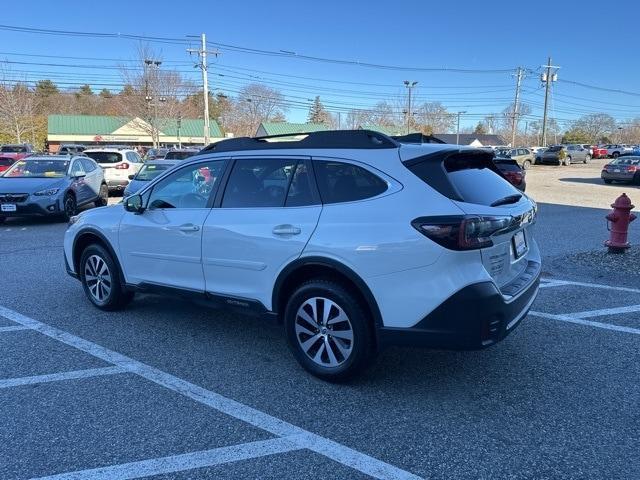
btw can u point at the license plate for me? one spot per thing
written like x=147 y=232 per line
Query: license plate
x=519 y=244
x=8 y=207
x=616 y=170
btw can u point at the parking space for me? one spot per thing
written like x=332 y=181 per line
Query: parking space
x=82 y=407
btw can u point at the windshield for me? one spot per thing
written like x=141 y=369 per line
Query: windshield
x=105 y=157
x=178 y=155
x=13 y=149
x=556 y=148
x=149 y=172
x=38 y=169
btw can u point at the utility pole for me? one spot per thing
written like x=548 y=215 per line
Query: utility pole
x=202 y=52
x=409 y=86
x=179 y=125
x=152 y=66
x=516 y=107
x=547 y=78
x=458 y=129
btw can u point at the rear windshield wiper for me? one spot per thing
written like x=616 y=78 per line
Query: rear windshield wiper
x=507 y=200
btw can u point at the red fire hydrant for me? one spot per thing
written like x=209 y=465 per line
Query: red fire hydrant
x=618 y=224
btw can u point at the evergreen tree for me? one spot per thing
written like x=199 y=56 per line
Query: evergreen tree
x=480 y=129
x=317 y=112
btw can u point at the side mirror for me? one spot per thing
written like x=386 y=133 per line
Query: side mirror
x=79 y=176
x=131 y=176
x=134 y=204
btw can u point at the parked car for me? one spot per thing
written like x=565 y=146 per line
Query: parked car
x=538 y=155
x=625 y=169
x=388 y=243
x=51 y=185
x=181 y=153
x=599 y=151
x=565 y=154
x=5 y=163
x=16 y=152
x=615 y=150
x=589 y=148
x=512 y=171
x=148 y=172
x=155 y=153
x=118 y=164
x=71 y=149
x=523 y=156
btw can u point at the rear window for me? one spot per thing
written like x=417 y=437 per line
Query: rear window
x=626 y=161
x=13 y=149
x=105 y=157
x=6 y=162
x=469 y=176
x=178 y=155
x=557 y=148
x=507 y=165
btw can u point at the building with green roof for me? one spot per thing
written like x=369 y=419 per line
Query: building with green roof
x=101 y=130
x=285 y=128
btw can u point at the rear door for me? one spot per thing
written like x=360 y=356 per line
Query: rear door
x=79 y=182
x=263 y=220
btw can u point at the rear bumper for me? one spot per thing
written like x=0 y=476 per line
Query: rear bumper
x=473 y=318
x=117 y=184
x=618 y=177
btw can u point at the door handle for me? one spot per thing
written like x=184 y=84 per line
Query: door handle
x=189 y=227
x=286 y=230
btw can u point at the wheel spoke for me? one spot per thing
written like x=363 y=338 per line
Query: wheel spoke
x=301 y=329
x=333 y=361
x=90 y=278
x=344 y=334
x=318 y=356
x=345 y=351
x=328 y=305
x=340 y=318
x=306 y=317
x=307 y=344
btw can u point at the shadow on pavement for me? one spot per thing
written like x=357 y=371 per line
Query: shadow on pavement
x=595 y=181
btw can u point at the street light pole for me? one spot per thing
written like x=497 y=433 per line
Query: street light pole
x=202 y=52
x=409 y=86
x=458 y=129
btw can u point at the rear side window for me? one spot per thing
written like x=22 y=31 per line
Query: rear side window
x=89 y=166
x=343 y=182
x=105 y=157
x=261 y=182
x=178 y=155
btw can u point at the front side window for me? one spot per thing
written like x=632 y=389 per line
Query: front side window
x=189 y=187
x=89 y=166
x=259 y=183
x=77 y=169
x=344 y=182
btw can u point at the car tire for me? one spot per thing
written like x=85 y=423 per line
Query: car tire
x=608 y=182
x=615 y=154
x=330 y=357
x=69 y=206
x=636 y=180
x=101 y=279
x=2 y=220
x=103 y=196
x=567 y=161
x=526 y=165
x=587 y=159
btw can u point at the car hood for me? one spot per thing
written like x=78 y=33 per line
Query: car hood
x=29 y=185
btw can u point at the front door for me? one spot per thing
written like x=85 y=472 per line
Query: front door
x=163 y=245
x=268 y=212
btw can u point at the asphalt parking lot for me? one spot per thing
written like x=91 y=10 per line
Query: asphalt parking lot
x=169 y=389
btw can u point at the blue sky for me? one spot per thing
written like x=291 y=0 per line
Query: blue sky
x=464 y=35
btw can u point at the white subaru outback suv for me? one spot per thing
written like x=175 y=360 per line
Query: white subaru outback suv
x=354 y=240
x=118 y=164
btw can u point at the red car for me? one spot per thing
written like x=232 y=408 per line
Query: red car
x=5 y=163
x=599 y=152
x=16 y=152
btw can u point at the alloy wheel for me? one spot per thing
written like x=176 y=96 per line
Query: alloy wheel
x=324 y=332
x=98 y=278
x=69 y=206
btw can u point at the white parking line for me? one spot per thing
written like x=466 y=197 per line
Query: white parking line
x=187 y=461
x=606 y=311
x=559 y=283
x=303 y=439
x=58 y=377
x=590 y=323
x=13 y=328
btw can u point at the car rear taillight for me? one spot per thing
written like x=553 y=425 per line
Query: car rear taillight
x=462 y=232
x=632 y=168
x=122 y=166
x=515 y=178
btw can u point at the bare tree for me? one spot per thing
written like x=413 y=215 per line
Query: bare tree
x=596 y=125
x=256 y=103
x=153 y=98
x=17 y=108
x=433 y=117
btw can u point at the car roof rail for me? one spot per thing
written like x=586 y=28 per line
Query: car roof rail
x=357 y=139
x=416 y=137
